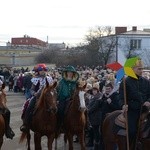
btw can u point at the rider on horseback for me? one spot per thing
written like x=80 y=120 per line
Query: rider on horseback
x=65 y=89
x=137 y=94
x=38 y=82
x=6 y=114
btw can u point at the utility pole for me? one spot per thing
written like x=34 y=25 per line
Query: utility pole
x=13 y=59
x=116 y=48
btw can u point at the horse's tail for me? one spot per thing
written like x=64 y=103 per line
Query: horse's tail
x=22 y=137
x=65 y=138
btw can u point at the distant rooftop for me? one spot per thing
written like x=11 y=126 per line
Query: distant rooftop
x=123 y=30
x=137 y=32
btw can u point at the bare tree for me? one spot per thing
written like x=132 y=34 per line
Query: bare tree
x=106 y=47
x=98 y=49
x=100 y=44
x=48 y=56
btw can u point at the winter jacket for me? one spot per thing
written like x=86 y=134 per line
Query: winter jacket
x=66 y=87
x=27 y=81
x=114 y=105
x=95 y=110
x=137 y=92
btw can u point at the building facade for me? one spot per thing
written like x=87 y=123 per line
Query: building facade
x=19 y=56
x=132 y=43
x=28 y=41
x=21 y=51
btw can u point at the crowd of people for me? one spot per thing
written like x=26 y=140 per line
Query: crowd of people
x=103 y=94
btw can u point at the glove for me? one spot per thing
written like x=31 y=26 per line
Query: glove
x=125 y=108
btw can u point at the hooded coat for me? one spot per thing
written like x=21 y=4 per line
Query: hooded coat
x=66 y=87
x=65 y=90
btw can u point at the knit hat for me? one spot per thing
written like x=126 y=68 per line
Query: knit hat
x=96 y=86
x=88 y=87
x=91 y=80
x=81 y=83
x=40 y=67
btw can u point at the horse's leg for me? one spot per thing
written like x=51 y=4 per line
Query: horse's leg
x=122 y=144
x=146 y=144
x=82 y=140
x=110 y=146
x=70 y=140
x=50 y=141
x=1 y=142
x=28 y=139
x=37 y=141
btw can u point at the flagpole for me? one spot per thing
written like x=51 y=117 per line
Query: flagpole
x=126 y=115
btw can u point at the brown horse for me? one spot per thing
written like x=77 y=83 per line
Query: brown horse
x=3 y=101
x=110 y=138
x=44 y=120
x=75 y=118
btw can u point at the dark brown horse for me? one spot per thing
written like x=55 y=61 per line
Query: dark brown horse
x=44 y=120
x=3 y=101
x=110 y=138
x=75 y=118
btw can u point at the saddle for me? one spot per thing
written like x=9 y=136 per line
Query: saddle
x=24 y=107
x=120 y=121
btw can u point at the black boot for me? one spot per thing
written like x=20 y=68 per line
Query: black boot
x=96 y=146
x=25 y=127
x=90 y=142
x=8 y=131
x=26 y=122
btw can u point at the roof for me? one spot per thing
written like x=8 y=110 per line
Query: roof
x=137 y=32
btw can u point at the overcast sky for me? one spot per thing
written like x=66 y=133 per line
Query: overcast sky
x=68 y=20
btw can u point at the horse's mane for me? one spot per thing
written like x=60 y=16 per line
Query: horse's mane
x=40 y=103
x=74 y=93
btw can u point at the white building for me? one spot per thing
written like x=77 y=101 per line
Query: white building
x=56 y=45
x=133 y=41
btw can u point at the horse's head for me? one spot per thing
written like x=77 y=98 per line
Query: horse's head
x=79 y=96
x=48 y=98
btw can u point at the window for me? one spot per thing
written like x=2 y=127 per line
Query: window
x=135 y=44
